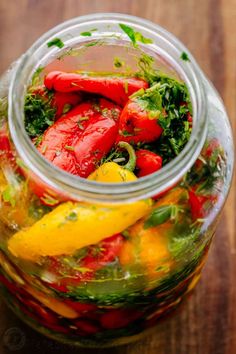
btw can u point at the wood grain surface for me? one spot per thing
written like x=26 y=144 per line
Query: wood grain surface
x=206 y=324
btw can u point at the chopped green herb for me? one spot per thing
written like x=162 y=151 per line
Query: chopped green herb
x=126 y=86
x=209 y=174
x=184 y=56
x=3 y=108
x=126 y=234
x=93 y=43
x=55 y=42
x=39 y=114
x=9 y=195
x=169 y=98
x=44 y=148
x=134 y=36
x=162 y=214
x=72 y=216
x=124 y=133
x=21 y=164
x=36 y=79
x=88 y=33
x=140 y=38
x=118 y=63
x=37 y=210
x=66 y=108
x=158 y=216
x=38 y=140
x=49 y=200
x=70 y=148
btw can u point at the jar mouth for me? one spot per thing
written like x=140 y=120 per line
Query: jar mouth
x=77 y=188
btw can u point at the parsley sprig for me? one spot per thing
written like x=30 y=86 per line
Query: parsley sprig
x=39 y=114
x=172 y=97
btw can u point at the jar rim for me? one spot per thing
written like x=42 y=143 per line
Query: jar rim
x=79 y=188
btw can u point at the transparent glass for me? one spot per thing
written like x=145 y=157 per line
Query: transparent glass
x=108 y=279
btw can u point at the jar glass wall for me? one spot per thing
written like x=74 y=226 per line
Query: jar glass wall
x=109 y=260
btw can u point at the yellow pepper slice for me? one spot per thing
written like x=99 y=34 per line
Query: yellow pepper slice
x=71 y=226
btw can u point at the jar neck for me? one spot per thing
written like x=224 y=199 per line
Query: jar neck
x=168 y=48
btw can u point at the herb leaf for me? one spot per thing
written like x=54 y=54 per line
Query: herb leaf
x=39 y=114
x=9 y=195
x=158 y=216
x=174 y=118
x=55 y=42
x=184 y=56
x=36 y=76
x=134 y=36
x=88 y=33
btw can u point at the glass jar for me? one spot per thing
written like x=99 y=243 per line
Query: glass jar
x=111 y=259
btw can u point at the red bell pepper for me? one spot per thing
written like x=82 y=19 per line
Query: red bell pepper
x=117 y=89
x=200 y=204
x=197 y=204
x=105 y=252
x=79 y=139
x=147 y=162
x=5 y=146
x=119 y=318
x=97 y=257
x=139 y=118
x=136 y=126
x=87 y=327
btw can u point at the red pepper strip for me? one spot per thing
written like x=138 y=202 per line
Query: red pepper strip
x=78 y=140
x=60 y=101
x=105 y=252
x=147 y=162
x=98 y=256
x=117 y=89
x=5 y=146
x=94 y=144
x=50 y=77
x=87 y=327
x=197 y=204
x=119 y=318
x=136 y=126
x=212 y=146
x=200 y=204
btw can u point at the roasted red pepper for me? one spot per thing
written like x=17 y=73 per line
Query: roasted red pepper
x=119 y=318
x=5 y=146
x=97 y=257
x=197 y=204
x=117 y=89
x=87 y=327
x=147 y=162
x=139 y=118
x=200 y=204
x=79 y=139
x=106 y=252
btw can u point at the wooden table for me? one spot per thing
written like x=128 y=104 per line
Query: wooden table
x=207 y=322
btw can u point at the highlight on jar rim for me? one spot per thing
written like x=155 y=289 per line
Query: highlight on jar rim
x=114 y=167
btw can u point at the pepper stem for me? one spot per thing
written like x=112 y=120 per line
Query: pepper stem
x=132 y=156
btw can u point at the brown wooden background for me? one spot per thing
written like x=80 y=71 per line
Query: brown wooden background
x=207 y=322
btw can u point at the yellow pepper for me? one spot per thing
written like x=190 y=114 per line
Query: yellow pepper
x=71 y=226
x=111 y=172
x=149 y=247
